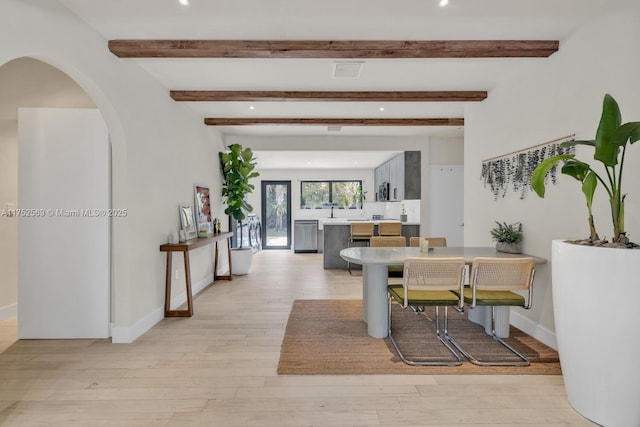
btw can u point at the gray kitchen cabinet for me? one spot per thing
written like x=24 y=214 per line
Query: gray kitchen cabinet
x=403 y=173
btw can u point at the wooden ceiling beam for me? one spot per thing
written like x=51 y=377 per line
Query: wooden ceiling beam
x=342 y=96
x=334 y=121
x=337 y=49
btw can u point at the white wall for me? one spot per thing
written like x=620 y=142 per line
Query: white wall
x=8 y=225
x=446 y=151
x=543 y=100
x=159 y=150
x=63 y=261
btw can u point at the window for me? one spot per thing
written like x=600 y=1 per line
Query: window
x=324 y=194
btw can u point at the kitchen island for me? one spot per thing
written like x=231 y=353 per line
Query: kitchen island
x=336 y=237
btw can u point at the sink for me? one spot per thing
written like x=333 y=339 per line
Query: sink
x=356 y=219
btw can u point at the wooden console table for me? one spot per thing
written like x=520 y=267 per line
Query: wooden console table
x=185 y=247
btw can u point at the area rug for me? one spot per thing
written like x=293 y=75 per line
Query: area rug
x=327 y=337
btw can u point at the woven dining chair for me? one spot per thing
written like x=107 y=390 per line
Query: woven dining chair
x=434 y=242
x=430 y=282
x=492 y=283
x=390 y=242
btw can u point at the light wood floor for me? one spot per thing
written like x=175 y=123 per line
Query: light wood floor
x=218 y=368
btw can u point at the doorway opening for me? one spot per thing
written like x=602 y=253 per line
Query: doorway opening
x=276 y=214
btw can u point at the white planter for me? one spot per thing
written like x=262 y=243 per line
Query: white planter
x=241 y=261
x=595 y=304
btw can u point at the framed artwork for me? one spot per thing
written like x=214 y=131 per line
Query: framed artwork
x=187 y=221
x=203 y=208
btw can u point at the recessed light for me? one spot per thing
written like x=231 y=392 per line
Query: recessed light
x=251 y=107
x=381 y=108
x=184 y=2
x=443 y=3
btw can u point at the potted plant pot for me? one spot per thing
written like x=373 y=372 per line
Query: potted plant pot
x=594 y=291
x=512 y=248
x=594 y=284
x=241 y=259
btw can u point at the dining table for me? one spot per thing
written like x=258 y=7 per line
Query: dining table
x=375 y=278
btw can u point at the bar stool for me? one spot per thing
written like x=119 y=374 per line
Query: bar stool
x=390 y=228
x=360 y=232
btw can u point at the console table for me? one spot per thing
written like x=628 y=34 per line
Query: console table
x=185 y=247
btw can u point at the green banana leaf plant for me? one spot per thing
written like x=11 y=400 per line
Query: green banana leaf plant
x=237 y=167
x=610 y=147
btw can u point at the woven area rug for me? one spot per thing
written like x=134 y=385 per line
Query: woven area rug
x=325 y=337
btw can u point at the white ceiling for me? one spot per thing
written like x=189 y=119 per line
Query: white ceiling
x=335 y=20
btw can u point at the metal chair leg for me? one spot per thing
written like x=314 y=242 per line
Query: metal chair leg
x=458 y=360
x=524 y=361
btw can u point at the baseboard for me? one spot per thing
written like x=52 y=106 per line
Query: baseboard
x=181 y=298
x=128 y=334
x=8 y=311
x=543 y=335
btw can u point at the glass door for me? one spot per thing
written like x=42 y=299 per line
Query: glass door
x=276 y=214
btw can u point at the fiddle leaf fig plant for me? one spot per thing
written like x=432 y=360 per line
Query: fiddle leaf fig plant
x=610 y=147
x=237 y=167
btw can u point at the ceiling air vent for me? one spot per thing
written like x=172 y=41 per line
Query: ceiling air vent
x=347 y=69
x=334 y=128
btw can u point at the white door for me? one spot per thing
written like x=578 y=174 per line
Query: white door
x=63 y=235
x=446 y=203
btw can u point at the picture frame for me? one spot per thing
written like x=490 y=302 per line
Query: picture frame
x=203 y=208
x=187 y=221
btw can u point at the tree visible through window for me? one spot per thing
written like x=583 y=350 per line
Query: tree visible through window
x=324 y=194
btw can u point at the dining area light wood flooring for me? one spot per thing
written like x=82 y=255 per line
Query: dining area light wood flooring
x=218 y=368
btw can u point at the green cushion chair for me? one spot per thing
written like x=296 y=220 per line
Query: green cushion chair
x=429 y=282
x=492 y=283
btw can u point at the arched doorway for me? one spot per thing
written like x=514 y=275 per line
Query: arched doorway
x=27 y=82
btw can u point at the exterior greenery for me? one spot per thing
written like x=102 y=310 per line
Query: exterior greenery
x=507 y=233
x=324 y=194
x=359 y=196
x=237 y=167
x=610 y=147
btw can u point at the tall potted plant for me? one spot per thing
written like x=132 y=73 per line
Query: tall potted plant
x=591 y=278
x=237 y=167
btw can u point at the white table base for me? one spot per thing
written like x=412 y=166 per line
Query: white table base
x=482 y=316
x=374 y=299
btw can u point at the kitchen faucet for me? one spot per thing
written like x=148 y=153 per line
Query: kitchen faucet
x=331 y=211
